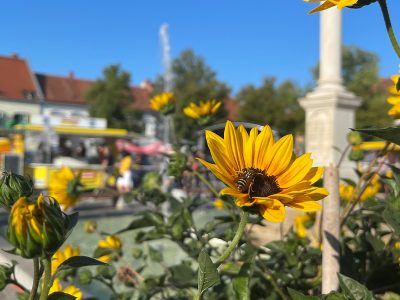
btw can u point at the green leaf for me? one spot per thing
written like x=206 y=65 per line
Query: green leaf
x=376 y=243
x=299 y=296
x=392 y=217
x=79 y=261
x=353 y=289
x=146 y=219
x=241 y=282
x=334 y=296
x=60 y=296
x=390 y=134
x=208 y=274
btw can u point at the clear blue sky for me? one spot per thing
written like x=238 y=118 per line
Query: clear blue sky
x=243 y=41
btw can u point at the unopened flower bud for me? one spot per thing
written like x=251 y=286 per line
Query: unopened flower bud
x=13 y=187
x=90 y=226
x=354 y=138
x=356 y=155
x=178 y=164
x=37 y=228
x=85 y=276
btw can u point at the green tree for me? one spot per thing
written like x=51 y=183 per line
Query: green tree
x=110 y=97
x=273 y=105
x=193 y=81
x=360 y=71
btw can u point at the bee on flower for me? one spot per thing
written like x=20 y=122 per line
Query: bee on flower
x=262 y=174
x=202 y=112
x=164 y=103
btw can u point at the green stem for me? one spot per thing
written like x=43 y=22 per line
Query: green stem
x=207 y=183
x=242 y=225
x=47 y=279
x=36 y=278
x=389 y=28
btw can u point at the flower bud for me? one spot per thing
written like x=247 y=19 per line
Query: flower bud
x=90 y=226
x=354 y=138
x=356 y=155
x=13 y=187
x=178 y=164
x=85 y=276
x=37 y=228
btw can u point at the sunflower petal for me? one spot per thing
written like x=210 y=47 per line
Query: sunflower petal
x=250 y=148
x=217 y=149
x=274 y=213
x=314 y=174
x=224 y=177
x=234 y=146
x=296 y=172
x=281 y=155
x=264 y=142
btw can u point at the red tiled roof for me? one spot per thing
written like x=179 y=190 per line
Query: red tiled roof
x=16 y=80
x=70 y=90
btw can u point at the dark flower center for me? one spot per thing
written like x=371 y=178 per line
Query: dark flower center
x=256 y=183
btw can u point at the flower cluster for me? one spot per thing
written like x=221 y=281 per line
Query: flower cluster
x=263 y=174
x=349 y=192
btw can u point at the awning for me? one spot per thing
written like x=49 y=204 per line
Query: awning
x=116 y=132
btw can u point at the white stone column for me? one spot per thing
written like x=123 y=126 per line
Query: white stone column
x=330 y=108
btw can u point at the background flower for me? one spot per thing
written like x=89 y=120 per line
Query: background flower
x=163 y=103
x=60 y=256
x=71 y=289
x=64 y=186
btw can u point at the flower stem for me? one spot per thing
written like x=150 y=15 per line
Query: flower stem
x=36 y=279
x=242 y=225
x=47 y=279
x=389 y=28
x=207 y=183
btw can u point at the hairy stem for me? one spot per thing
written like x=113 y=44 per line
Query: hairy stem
x=36 y=278
x=47 y=279
x=242 y=225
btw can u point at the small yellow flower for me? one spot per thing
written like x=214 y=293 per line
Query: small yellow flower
x=262 y=173
x=394 y=99
x=219 y=204
x=71 y=289
x=64 y=187
x=204 y=109
x=60 y=256
x=163 y=103
x=299 y=227
x=110 y=242
x=330 y=3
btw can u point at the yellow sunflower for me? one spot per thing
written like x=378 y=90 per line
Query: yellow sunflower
x=331 y=3
x=299 y=225
x=71 y=289
x=394 y=99
x=110 y=242
x=163 y=103
x=202 y=110
x=64 y=187
x=348 y=192
x=262 y=173
x=60 y=256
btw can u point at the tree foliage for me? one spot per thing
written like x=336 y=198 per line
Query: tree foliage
x=193 y=80
x=273 y=104
x=110 y=97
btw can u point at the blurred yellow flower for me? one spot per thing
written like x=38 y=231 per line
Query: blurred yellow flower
x=299 y=226
x=263 y=173
x=104 y=258
x=219 y=204
x=204 y=109
x=330 y=3
x=71 y=289
x=394 y=99
x=64 y=187
x=60 y=256
x=347 y=192
x=110 y=242
x=163 y=102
